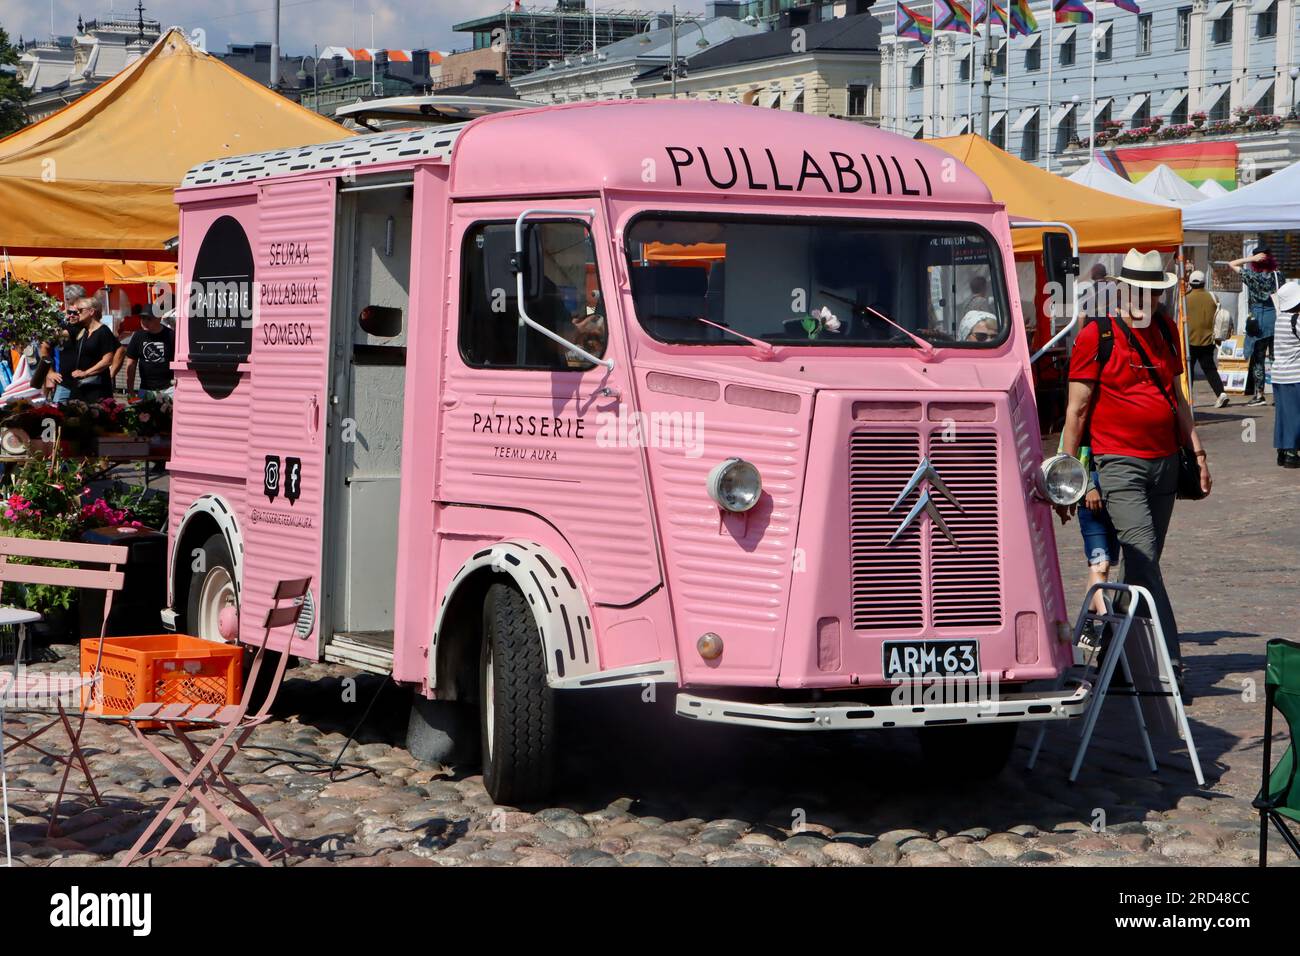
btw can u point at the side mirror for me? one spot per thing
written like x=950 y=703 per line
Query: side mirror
x=501 y=262
x=1059 y=260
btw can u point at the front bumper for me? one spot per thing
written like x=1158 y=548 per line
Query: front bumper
x=1021 y=706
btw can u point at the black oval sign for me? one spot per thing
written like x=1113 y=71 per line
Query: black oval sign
x=221 y=296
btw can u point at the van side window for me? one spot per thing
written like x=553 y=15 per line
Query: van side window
x=565 y=297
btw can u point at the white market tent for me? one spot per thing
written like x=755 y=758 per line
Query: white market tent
x=1212 y=188
x=1096 y=176
x=1162 y=183
x=1270 y=205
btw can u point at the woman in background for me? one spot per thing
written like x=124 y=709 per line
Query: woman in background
x=1286 y=375
x=1261 y=280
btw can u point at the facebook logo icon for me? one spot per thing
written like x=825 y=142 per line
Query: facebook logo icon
x=292 y=479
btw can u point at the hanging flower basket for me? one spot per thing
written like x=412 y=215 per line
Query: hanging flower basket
x=27 y=315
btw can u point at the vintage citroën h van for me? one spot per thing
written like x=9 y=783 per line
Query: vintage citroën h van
x=733 y=401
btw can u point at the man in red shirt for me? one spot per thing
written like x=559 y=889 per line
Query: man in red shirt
x=1135 y=424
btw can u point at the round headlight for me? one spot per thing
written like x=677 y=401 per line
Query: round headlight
x=735 y=485
x=1062 y=480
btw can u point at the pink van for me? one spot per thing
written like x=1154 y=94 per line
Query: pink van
x=729 y=400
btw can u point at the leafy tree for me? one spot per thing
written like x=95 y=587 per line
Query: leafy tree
x=12 y=93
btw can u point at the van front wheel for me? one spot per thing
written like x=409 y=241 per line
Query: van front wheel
x=516 y=707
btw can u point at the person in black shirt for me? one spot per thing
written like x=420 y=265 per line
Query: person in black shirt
x=87 y=356
x=151 y=351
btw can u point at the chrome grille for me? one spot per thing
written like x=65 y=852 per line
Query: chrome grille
x=890 y=584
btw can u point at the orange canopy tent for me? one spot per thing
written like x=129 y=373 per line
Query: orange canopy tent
x=56 y=269
x=96 y=178
x=1105 y=223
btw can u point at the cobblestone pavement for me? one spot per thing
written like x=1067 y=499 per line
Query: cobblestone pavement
x=643 y=788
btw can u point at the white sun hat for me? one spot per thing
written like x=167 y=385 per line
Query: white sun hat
x=1145 y=270
x=1287 y=298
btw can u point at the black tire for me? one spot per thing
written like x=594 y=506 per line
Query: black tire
x=442 y=731
x=967 y=752
x=217 y=555
x=519 y=754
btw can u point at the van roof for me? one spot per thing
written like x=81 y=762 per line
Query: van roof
x=426 y=142
x=681 y=146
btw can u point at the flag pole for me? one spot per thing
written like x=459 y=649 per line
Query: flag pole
x=1051 y=32
x=1092 y=87
x=987 y=70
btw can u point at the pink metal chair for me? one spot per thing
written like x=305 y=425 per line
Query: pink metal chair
x=206 y=777
x=50 y=696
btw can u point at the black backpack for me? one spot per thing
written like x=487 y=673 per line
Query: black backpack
x=1105 y=347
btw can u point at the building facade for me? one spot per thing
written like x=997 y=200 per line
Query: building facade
x=612 y=72
x=532 y=37
x=1161 y=67
x=61 y=69
x=827 y=68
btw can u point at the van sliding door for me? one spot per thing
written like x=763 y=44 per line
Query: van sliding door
x=286 y=445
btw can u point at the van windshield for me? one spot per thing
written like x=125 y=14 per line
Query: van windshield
x=816 y=282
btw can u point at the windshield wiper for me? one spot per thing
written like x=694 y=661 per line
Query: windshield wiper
x=767 y=349
x=927 y=350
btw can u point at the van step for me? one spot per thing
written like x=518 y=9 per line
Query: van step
x=365 y=650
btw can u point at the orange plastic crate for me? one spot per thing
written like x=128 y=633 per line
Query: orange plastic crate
x=163 y=669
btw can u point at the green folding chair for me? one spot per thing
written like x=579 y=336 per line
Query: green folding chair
x=1279 y=797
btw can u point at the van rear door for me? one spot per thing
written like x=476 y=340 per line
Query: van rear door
x=286 y=433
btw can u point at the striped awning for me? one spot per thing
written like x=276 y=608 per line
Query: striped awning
x=1211 y=97
x=1061 y=113
x=1174 y=101
x=1024 y=119
x=1258 y=92
x=1096 y=110
x=1134 y=105
x=1065 y=35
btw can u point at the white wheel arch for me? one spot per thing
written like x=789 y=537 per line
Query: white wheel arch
x=227 y=523
x=559 y=607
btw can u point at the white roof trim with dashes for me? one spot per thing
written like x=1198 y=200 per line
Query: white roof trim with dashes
x=354 y=153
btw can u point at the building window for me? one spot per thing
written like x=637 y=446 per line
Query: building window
x=1220 y=110
x=1183 y=36
x=918 y=75
x=998 y=134
x=1179 y=115
x=963 y=71
x=1033 y=58
x=1067 y=131
x=1144 y=34
x=858 y=101
x=1266 y=22
x=1067 y=52
x=1106 y=47
x=1222 y=31
x=1029 y=141
x=1000 y=59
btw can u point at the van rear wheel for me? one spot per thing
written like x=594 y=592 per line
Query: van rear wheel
x=516 y=707
x=967 y=752
x=212 y=592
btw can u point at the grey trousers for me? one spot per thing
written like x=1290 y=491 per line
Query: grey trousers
x=1139 y=496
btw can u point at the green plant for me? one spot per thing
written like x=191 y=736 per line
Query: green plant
x=139 y=505
x=27 y=315
x=148 y=417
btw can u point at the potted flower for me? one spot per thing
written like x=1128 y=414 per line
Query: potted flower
x=44 y=501
x=1198 y=119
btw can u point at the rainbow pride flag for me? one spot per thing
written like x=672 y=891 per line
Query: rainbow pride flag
x=951 y=15
x=1194 y=162
x=1128 y=5
x=1072 y=11
x=908 y=23
x=997 y=16
x=1022 y=18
